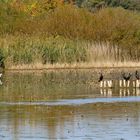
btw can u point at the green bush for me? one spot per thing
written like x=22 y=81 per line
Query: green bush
x=21 y=52
x=63 y=52
x=51 y=54
x=94 y=5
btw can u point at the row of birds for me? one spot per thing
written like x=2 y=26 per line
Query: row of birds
x=124 y=76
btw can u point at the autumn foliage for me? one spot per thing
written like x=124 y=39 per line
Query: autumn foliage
x=42 y=19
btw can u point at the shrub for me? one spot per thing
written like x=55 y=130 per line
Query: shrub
x=63 y=51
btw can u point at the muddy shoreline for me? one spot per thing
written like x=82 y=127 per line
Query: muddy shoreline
x=70 y=68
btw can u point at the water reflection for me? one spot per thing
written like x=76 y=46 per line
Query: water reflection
x=56 y=85
x=68 y=107
x=99 y=121
x=120 y=83
x=1 y=83
x=107 y=92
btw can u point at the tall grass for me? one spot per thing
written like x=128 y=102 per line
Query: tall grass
x=36 y=50
x=27 y=50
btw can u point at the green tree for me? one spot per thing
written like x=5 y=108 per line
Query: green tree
x=93 y=5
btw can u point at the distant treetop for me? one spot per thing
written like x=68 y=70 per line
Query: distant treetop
x=96 y=4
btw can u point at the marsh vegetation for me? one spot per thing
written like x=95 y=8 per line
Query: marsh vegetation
x=45 y=33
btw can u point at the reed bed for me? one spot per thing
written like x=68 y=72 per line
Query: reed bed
x=28 y=52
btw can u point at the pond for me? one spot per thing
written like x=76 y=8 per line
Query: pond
x=68 y=104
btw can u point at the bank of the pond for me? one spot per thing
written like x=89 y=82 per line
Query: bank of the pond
x=99 y=65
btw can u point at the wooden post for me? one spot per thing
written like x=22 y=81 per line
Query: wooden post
x=104 y=84
x=101 y=84
x=137 y=83
x=124 y=83
x=110 y=83
x=120 y=83
x=128 y=83
x=134 y=84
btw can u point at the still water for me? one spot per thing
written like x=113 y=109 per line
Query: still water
x=67 y=105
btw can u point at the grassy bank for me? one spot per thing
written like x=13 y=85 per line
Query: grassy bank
x=90 y=65
x=28 y=52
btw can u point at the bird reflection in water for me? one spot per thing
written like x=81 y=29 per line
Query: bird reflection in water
x=122 y=92
x=1 y=83
x=106 y=92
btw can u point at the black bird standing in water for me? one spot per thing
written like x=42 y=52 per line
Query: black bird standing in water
x=137 y=75
x=101 y=78
x=126 y=78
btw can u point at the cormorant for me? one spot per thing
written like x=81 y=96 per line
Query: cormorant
x=137 y=75
x=126 y=78
x=101 y=78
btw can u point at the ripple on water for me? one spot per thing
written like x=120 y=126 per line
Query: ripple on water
x=77 y=101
